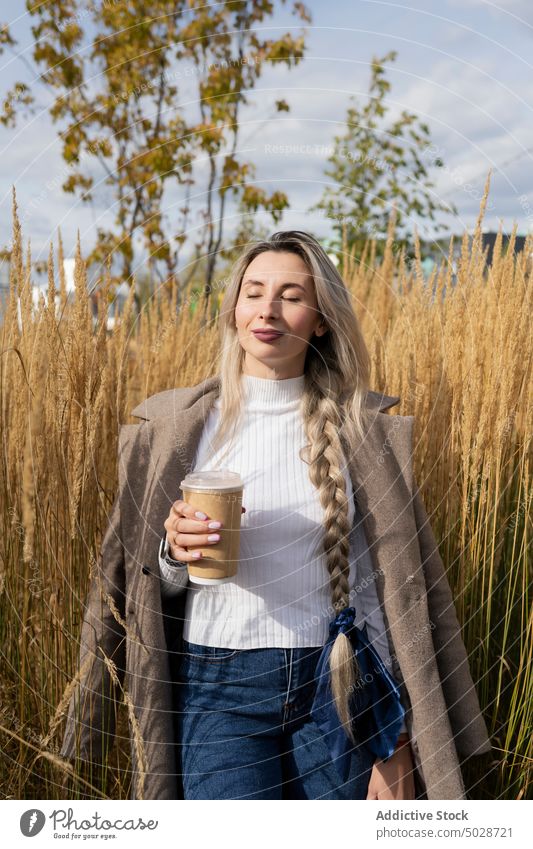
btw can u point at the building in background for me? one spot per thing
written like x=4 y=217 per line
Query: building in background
x=39 y=288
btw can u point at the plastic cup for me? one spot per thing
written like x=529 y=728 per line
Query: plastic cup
x=218 y=494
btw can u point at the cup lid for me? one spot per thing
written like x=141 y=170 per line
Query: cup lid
x=212 y=479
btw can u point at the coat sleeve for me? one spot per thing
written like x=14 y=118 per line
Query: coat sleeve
x=466 y=719
x=174 y=575
x=91 y=717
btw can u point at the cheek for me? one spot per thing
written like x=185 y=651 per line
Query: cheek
x=243 y=314
x=246 y=315
x=303 y=321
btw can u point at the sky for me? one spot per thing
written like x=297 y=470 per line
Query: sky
x=463 y=66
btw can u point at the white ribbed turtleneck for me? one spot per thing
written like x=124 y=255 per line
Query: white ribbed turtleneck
x=262 y=395
x=281 y=594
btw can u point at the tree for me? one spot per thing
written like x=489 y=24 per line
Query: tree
x=374 y=165
x=120 y=75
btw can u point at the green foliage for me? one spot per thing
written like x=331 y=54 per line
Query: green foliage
x=375 y=165
x=125 y=81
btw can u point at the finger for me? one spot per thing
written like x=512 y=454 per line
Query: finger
x=177 y=552
x=185 y=556
x=181 y=509
x=386 y=794
x=185 y=540
x=175 y=524
x=191 y=526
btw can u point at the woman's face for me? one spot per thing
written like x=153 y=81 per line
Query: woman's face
x=277 y=292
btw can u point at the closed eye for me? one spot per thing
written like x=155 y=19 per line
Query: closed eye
x=284 y=299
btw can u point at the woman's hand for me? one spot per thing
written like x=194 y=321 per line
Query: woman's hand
x=187 y=526
x=394 y=778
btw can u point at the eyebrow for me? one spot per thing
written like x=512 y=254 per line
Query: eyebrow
x=284 y=285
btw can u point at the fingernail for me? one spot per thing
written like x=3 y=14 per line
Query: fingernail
x=214 y=525
x=200 y=515
x=197 y=554
x=213 y=537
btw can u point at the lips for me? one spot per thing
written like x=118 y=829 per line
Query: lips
x=266 y=335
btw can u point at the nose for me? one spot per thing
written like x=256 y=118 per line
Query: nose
x=268 y=307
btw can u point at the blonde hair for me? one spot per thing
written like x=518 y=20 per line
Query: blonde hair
x=337 y=368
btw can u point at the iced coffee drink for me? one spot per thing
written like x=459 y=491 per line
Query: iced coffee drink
x=218 y=494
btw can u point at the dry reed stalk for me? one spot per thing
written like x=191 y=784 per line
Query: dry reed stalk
x=63 y=294
x=110 y=601
x=95 y=413
x=138 y=743
x=15 y=380
x=58 y=762
x=16 y=271
x=64 y=703
x=78 y=471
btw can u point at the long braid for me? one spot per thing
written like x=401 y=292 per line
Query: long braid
x=323 y=422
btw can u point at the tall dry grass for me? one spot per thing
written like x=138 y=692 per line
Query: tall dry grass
x=458 y=352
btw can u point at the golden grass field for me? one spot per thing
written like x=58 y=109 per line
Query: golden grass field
x=459 y=359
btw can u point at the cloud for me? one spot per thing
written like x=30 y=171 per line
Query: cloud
x=520 y=10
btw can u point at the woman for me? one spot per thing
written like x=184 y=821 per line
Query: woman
x=330 y=500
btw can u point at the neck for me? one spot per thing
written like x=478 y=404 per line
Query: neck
x=255 y=368
x=263 y=392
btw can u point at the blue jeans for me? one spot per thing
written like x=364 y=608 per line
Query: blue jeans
x=243 y=724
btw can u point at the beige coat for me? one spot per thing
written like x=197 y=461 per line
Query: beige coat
x=126 y=620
